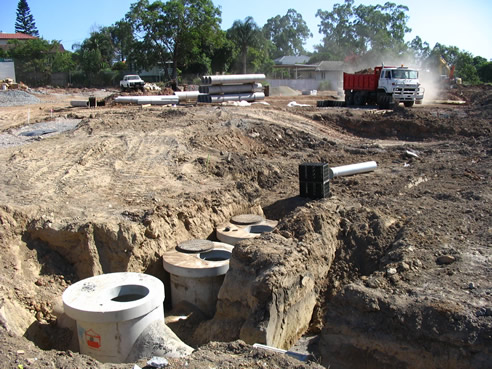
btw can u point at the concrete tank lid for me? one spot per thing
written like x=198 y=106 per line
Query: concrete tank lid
x=194 y=246
x=96 y=299
x=196 y=265
x=247 y=219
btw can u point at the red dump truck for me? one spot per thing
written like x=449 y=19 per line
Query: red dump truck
x=384 y=87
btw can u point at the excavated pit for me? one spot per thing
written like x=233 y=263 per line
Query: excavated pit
x=394 y=267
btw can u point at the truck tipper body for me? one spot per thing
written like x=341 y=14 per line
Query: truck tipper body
x=384 y=87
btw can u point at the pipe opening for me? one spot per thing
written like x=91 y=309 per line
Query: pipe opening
x=128 y=293
x=260 y=228
x=215 y=255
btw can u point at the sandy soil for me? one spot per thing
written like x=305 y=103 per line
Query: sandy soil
x=140 y=180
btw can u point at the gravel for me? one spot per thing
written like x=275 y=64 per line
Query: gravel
x=17 y=97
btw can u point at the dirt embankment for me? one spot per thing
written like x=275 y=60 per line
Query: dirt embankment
x=394 y=267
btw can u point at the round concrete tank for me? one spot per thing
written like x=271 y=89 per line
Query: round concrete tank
x=112 y=310
x=244 y=227
x=197 y=272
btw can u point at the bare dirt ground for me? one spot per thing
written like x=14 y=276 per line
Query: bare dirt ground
x=405 y=282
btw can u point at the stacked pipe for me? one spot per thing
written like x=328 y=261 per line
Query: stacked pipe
x=234 y=87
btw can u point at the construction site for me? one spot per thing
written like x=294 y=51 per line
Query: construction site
x=385 y=267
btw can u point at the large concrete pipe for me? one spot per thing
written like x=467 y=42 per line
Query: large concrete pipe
x=158 y=100
x=153 y=100
x=112 y=311
x=79 y=103
x=187 y=95
x=231 y=89
x=233 y=79
x=126 y=99
x=232 y=97
x=346 y=170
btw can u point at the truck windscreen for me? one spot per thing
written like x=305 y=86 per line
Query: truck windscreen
x=405 y=74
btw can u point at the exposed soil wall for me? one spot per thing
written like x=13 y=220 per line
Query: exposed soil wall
x=392 y=270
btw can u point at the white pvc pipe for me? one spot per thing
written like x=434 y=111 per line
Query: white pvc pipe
x=347 y=170
x=231 y=89
x=233 y=79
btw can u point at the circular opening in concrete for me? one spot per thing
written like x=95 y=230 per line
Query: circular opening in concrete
x=260 y=228
x=216 y=255
x=128 y=293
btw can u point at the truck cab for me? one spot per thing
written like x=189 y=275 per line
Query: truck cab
x=384 y=86
x=402 y=83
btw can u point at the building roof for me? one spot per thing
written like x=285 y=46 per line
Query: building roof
x=291 y=60
x=16 y=36
x=330 y=65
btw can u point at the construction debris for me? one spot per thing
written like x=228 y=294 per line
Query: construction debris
x=9 y=84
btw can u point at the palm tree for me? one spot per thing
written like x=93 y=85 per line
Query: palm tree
x=245 y=34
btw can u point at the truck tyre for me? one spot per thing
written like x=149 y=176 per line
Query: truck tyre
x=383 y=101
x=359 y=98
x=408 y=104
x=349 y=98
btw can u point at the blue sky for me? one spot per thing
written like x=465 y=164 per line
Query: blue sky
x=465 y=24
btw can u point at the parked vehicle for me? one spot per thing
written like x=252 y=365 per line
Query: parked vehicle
x=132 y=82
x=384 y=87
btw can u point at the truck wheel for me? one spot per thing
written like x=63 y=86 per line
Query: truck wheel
x=359 y=98
x=408 y=104
x=384 y=101
x=349 y=98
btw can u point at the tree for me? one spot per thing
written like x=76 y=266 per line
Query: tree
x=420 y=50
x=463 y=62
x=287 y=33
x=485 y=72
x=224 y=54
x=371 y=30
x=24 y=22
x=40 y=56
x=175 y=30
x=122 y=38
x=245 y=34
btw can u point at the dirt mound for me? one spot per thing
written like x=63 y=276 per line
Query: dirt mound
x=365 y=71
x=413 y=124
x=283 y=91
x=392 y=269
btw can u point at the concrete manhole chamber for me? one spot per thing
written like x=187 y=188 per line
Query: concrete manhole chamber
x=197 y=269
x=112 y=310
x=244 y=227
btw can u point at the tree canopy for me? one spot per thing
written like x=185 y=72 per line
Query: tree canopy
x=186 y=35
x=364 y=29
x=24 y=22
x=175 y=30
x=245 y=34
x=287 y=33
